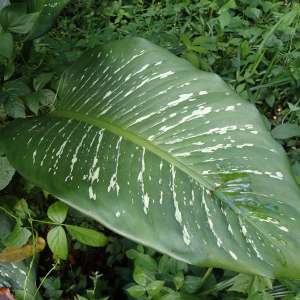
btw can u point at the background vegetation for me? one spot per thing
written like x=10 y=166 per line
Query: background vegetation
x=252 y=44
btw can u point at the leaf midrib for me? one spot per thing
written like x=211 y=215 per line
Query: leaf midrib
x=133 y=138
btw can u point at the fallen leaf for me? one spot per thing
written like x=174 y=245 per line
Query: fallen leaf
x=15 y=255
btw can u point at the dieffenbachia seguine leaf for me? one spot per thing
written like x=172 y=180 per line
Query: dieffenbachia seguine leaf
x=168 y=156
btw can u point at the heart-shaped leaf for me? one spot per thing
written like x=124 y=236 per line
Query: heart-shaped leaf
x=168 y=156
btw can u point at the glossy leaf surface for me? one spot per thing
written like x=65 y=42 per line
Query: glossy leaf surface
x=168 y=156
x=50 y=10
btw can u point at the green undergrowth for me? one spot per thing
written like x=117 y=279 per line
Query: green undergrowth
x=252 y=44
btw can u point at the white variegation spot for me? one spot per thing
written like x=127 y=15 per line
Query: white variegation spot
x=118 y=214
x=186 y=236
x=244 y=145
x=202 y=92
x=283 y=228
x=233 y=255
x=229 y=108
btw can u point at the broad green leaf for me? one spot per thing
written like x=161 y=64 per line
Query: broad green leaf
x=11 y=13
x=9 y=70
x=18 y=237
x=14 y=107
x=136 y=291
x=27 y=250
x=57 y=241
x=168 y=156
x=33 y=101
x=285 y=131
x=40 y=81
x=6 y=45
x=49 y=12
x=23 y=24
x=17 y=88
x=57 y=211
x=6 y=172
x=47 y=97
x=87 y=236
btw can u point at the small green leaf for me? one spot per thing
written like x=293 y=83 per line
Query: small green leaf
x=185 y=39
x=293 y=107
x=17 y=88
x=191 y=284
x=163 y=265
x=224 y=19
x=9 y=70
x=136 y=291
x=240 y=87
x=193 y=59
x=6 y=172
x=270 y=99
x=57 y=212
x=40 y=81
x=228 y=5
x=57 y=241
x=18 y=237
x=139 y=275
x=47 y=97
x=177 y=265
x=33 y=102
x=244 y=48
x=7 y=224
x=255 y=296
x=87 y=236
x=132 y=254
x=201 y=40
x=154 y=287
x=199 y=49
x=266 y=5
x=148 y=262
x=266 y=296
x=178 y=280
x=6 y=45
x=242 y=283
x=285 y=131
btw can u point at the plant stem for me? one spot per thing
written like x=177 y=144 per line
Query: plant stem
x=204 y=278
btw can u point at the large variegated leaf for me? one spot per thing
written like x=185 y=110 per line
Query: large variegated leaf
x=13 y=276
x=167 y=156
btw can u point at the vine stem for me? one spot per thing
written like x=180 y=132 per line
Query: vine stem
x=57 y=262
x=204 y=278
